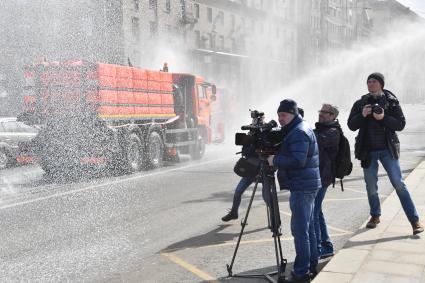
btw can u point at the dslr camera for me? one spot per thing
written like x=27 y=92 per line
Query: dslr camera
x=377 y=109
x=264 y=137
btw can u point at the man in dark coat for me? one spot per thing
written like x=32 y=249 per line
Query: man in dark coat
x=297 y=161
x=328 y=131
x=378 y=115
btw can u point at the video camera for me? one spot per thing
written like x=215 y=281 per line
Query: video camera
x=265 y=139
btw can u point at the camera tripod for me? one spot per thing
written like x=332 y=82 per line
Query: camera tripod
x=266 y=176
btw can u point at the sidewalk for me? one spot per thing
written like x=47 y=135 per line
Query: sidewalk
x=388 y=253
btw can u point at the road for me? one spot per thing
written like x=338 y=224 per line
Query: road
x=160 y=225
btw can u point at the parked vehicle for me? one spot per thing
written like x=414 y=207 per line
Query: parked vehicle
x=118 y=117
x=12 y=135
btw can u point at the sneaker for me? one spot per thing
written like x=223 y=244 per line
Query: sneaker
x=417 y=227
x=373 y=222
x=327 y=250
x=312 y=274
x=229 y=216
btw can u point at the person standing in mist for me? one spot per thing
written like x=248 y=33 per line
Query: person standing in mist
x=297 y=162
x=328 y=133
x=378 y=115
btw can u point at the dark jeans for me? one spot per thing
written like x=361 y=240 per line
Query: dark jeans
x=320 y=228
x=243 y=184
x=302 y=228
x=392 y=166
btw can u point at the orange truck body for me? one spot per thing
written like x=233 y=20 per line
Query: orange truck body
x=120 y=98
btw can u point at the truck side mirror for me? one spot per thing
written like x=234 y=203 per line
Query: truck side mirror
x=214 y=89
x=213 y=97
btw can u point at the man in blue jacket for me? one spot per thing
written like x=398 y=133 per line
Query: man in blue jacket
x=297 y=162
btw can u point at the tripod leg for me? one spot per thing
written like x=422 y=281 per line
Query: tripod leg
x=269 y=225
x=276 y=223
x=243 y=224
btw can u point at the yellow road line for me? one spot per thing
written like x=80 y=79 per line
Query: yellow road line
x=193 y=269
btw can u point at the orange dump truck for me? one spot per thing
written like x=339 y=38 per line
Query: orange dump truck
x=115 y=117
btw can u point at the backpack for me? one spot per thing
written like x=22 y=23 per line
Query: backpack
x=342 y=165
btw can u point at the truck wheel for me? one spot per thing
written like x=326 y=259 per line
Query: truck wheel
x=197 y=150
x=135 y=153
x=155 y=150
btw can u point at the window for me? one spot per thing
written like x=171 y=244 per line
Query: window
x=153 y=27
x=135 y=27
x=201 y=92
x=136 y=5
x=167 y=6
x=221 y=17
x=234 y=46
x=209 y=14
x=211 y=40
x=153 y=4
x=198 y=38
x=221 y=42
x=176 y=30
x=196 y=8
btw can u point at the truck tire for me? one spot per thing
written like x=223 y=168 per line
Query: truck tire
x=197 y=150
x=134 y=153
x=154 y=150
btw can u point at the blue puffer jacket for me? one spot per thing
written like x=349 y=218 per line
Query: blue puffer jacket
x=297 y=160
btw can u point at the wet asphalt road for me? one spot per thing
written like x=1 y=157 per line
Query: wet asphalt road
x=157 y=226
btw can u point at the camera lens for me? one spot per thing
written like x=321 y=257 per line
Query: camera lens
x=377 y=109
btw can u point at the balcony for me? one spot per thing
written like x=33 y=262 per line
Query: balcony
x=187 y=18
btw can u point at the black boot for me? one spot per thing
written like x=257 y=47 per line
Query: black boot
x=229 y=216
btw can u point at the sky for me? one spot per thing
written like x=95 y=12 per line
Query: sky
x=416 y=5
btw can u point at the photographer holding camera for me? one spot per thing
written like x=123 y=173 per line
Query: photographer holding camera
x=297 y=161
x=378 y=115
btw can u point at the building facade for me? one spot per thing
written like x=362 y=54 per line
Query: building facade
x=246 y=47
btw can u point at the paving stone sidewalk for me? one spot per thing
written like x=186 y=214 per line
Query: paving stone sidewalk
x=389 y=253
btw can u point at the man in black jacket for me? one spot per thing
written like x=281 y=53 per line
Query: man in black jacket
x=378 y=115
x=328 y=131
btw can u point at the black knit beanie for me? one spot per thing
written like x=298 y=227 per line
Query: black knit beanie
x=377 y=76
x=289 y=106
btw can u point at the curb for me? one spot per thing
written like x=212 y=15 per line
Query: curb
x=348 y=261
